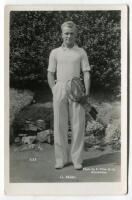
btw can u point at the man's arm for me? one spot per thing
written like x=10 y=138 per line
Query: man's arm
x=51 y=79
x=87 y=82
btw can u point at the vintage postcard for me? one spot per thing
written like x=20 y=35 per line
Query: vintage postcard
x=66 y=97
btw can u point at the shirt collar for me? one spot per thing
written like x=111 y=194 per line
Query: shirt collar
x=65 y=48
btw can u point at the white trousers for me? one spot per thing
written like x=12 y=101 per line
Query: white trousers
x=64 y=110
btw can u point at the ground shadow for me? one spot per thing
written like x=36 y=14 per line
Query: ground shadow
x=103 y=159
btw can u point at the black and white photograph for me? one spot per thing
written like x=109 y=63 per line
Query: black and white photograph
x=65 y=99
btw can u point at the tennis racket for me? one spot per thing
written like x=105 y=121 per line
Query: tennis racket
x=76 y=92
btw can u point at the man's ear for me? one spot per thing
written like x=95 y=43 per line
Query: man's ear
x=62 y=35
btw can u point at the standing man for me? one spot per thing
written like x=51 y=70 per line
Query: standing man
x=67 y=62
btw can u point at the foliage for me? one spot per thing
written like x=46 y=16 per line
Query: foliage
x=34 y=34
x=106 y=130
x=95 y=128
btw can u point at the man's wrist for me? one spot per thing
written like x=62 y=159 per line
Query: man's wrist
x=87 y=95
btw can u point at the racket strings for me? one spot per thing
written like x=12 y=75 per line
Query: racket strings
x=69 y=92
x=77 y=89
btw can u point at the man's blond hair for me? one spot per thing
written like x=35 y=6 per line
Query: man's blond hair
x=69 y=24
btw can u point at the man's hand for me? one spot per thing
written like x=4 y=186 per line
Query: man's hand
x=84 y=99
x=88 y=97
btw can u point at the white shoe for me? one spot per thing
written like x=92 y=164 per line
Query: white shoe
x=59 y=166
x=78 y=166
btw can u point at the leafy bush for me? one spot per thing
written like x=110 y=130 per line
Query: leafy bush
x=95 y=128
x=34 y=34
x=106 y=130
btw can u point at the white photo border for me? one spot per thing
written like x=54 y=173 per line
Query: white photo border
x=111 y=188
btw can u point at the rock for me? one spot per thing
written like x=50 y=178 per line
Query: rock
x=99 y=148
x=41 y=124
x=28 y=139
x=29 y=128
x=17 y=140
x=112 y=132
x=45 y=136
x=32 y=127
x=22 y=134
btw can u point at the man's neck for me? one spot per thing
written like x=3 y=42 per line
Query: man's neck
x=68 y=46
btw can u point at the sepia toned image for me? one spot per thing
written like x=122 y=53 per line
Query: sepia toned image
x=65 y=97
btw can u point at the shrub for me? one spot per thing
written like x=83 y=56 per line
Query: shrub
x=34 y=34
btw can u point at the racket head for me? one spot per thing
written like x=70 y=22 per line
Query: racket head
x=69 y=91
x=77 y=89
x=74 y=89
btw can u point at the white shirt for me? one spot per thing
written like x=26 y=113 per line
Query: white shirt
x=68 y=62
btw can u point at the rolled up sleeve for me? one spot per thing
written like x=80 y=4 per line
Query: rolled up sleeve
x=85 y=66
x=52 y=62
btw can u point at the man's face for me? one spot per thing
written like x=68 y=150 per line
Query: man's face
x=68 y=35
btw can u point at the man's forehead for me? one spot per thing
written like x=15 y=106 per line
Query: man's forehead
x=68 y=29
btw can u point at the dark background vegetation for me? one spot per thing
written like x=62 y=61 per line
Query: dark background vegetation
x=34 y=34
